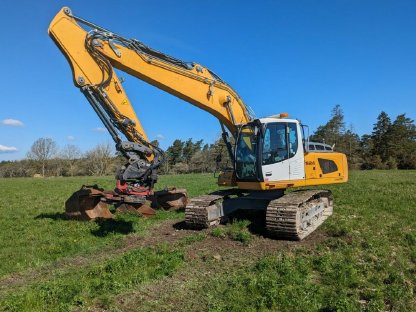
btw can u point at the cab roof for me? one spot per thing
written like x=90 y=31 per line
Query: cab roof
x=274 y=119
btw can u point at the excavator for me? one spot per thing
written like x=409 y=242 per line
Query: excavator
x=270 y=155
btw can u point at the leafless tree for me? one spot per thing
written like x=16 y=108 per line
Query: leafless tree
x=100 y=159
x=41 y=151
x=70 y=154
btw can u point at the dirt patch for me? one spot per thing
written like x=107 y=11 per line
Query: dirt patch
x=205 y=259
x=259 y=247
x=163 y=232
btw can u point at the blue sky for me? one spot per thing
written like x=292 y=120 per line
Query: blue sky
x=302 y=57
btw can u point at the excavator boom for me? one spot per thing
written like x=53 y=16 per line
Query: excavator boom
x=269 y=154
x=94 y=54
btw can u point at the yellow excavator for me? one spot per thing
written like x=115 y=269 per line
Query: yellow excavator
x=269 y=155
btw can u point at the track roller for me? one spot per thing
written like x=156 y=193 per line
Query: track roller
x=297 y=214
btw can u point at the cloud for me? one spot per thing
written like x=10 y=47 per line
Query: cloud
x=12 y=123
x=160 y=137
x=99 y=129
x=7 y=149
x=70 y=138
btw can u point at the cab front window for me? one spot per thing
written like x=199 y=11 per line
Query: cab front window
x=246 y=153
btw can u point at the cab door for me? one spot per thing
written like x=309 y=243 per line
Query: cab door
x=282 y=156
x=296 y=155
x=275 y=160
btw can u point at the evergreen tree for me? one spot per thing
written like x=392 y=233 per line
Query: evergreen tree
x=402 y=137
x=190 y=148
x=392 y=145
x=349 y=144
x=366 y=148
x=219 y=155
x=174 y=152
x=333 y=130
x=380 y=136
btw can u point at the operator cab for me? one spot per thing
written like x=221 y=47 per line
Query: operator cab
x=269 y=149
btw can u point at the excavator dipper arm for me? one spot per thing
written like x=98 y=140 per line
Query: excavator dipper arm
x=93 y=54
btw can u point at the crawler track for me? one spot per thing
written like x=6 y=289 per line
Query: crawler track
x=292 y=216
x=296 y=215
x=198 y=213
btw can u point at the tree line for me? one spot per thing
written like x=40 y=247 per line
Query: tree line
x=45 y=159
x=391 y=145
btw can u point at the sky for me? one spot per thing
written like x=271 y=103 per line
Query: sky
x=301 y=56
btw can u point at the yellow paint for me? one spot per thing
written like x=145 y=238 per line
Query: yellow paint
x=192 y=85
x=70 y=38
x=313 y=174
x=196 y=87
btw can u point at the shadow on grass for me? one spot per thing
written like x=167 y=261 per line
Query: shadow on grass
x=181 y=225
x=53 y=216
x=105 y=226
x=111 y=226
x=257 y=220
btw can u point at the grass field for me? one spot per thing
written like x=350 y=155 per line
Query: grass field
x=362 y=258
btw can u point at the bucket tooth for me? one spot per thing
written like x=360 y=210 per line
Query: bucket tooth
x=86 y=204
x=99 y=211
x=141 y=209
x=170 y=199
x=146 y=210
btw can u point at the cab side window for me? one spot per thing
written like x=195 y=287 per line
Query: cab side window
x=293 y=139
x=280 y=142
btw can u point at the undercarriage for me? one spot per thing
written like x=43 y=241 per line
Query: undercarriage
x=292 y=216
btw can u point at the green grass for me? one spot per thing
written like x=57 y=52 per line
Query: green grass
x=34 y=231
x=196 y=184
x=236 y=230
x=365 y=258
x=95 y=284
x=367 y=262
